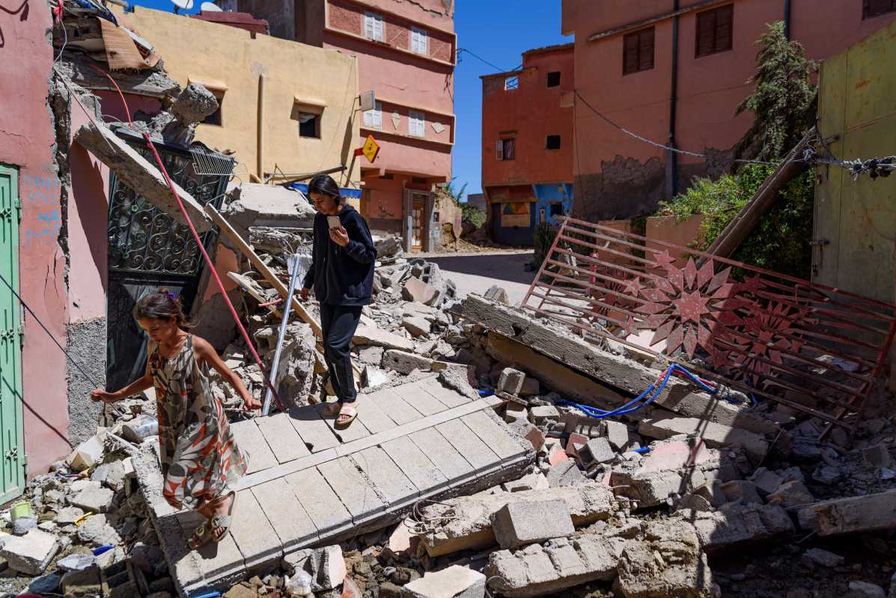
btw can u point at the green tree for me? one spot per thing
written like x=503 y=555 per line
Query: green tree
x=783 y=102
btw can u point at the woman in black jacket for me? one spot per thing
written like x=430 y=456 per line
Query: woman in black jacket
x=341 y=275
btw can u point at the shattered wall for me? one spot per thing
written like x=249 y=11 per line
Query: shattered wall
x=27 y=142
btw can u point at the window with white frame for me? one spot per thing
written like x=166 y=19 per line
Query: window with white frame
x=419 y=41
x=416 y=124
x=374 y=28
x=373 y=119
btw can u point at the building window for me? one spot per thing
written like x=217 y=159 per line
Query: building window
x=511 y=83
x=309 y=124
x=419 y=41
x=374 y=27
x=416 y=124
x=552 y=142
x=876 y=8
x=373 y=119
x=714 y=30
x=215 y=117
x=556 y=209
x=506 y=149
x=554 y=79
x=637 y=54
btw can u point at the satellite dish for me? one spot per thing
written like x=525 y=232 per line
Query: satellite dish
x=210 y=7
x=184 y=4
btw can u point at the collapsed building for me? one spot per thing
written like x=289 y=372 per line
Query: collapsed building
x=516 y=450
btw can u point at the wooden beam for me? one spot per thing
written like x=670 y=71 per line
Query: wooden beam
x=263 y=269
x=765 y=198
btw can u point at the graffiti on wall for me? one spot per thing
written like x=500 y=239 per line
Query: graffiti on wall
x=40 y=198
x=21 y=12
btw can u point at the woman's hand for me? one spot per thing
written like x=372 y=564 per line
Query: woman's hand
x=102 y=395
x=303 y=294
x=339 y=236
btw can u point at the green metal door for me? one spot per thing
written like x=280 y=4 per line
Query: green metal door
x=12 y=449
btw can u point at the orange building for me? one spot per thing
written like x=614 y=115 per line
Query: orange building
x=527 y=143
x=406 y=55
x=674 y=71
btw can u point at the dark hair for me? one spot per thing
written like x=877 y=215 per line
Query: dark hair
x=325 y=185
x=163 y=305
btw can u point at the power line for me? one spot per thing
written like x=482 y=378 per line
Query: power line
x=480 y=59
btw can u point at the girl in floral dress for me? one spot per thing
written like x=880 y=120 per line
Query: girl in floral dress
x=200 y=461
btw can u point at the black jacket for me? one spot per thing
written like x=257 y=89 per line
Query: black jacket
x=342 y=275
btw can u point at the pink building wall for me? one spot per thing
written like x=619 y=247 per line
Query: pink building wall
x=27 y=142
x=618 y=176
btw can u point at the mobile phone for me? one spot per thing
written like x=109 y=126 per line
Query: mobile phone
x=333 y=222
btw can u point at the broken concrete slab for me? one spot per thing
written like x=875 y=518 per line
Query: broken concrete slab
x=559 y=564
x=257 y=205
x=737 y=525
x=667 y=561
x=139 y=174
x=452 y=582
x=850 y=515
x=416 y=290
x=617 y=434
x=30 y=554
x=471 y=528
x=790 y=495
x=672 y=468
x=566 y=351
x=416 y=325
x=517 y=524
x=326 y=566
x=94 y=498
x=596 y=450
x=378 y=337
x=662 y=424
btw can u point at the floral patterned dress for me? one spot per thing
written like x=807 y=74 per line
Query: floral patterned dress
x=199 y=457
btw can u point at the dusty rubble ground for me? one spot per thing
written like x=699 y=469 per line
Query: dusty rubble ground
x=572 y=504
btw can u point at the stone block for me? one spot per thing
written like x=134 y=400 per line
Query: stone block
x=415 y=289
x=682 y=568
x=662 y=426
x=823 y=558
x=30 y=554
x=416 y=325
x=556 y=454
x=766 y=481
x=566 y=473
x=574 y=444
x=521 y=523
x=326 y=566
x=544 y=413
x=877 y=456
x=69 y=515
x=534 y=435
x=532 y=481
x=94 y=498
x=452 y=582
x=597 y=450
x=511 y=381
x=377 y=337
x=617 y=434
x=864 y=589
x=87 y=454
x=404 y=362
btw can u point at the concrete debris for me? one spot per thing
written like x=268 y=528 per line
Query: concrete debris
x=666 y=561
x=30 y=554
x=416 y=325
x=823 y=558
x=140 y=428
x=378 y=337
x=791 y=494
x=511 y=381
x=417 y=290
x=470 y=525
x=538 y=570
x=87 y=454
x=735 y=525
x=596 y=450
x=93 y=498
x=405 y=363
x=864 y=589
x=520 y=523
x=662 y=425
x=452 y=582
x=853 y=514
x=497 y=294
x=325 y=566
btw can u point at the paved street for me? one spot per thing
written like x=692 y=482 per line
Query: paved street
x=476 y=272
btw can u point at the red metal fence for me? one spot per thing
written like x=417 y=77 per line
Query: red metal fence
x=814 y=348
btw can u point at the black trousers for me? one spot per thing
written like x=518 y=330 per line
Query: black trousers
x=338 y=324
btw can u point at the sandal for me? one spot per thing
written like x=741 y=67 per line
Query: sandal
x=347 y=415
x=200 y=536
x=219 y=521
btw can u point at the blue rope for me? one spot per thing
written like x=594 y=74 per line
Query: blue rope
x=650 y=394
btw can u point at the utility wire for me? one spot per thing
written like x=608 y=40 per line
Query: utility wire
x=479 y=58
x=73 y=361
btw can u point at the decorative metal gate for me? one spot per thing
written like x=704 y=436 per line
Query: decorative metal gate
x=12 y=435
x=812 y=347
x=148 y=250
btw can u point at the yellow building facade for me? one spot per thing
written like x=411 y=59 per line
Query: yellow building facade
x=286 y=107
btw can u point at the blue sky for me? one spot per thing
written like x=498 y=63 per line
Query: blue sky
x=498 y=32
